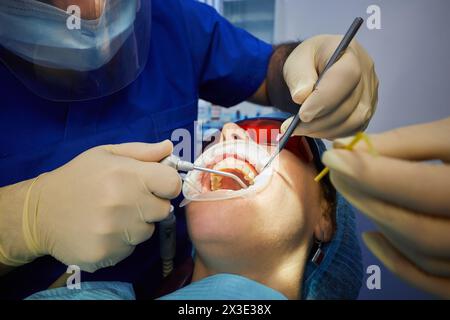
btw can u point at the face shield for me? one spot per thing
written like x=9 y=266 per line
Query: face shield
x=72 y=50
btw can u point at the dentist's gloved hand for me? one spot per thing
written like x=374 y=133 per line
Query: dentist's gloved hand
x=346 y=97
x=407 y=199
x=94 y=210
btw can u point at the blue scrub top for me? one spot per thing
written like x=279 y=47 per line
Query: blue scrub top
x=195 y=53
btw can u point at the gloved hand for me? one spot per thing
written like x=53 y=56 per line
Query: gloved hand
x=346 y=97
x=408 y=200
x=94 y=210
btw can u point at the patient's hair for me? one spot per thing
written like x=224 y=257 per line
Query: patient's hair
x=328 y=192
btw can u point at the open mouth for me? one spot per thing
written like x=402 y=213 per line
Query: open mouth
x=231 y=164
x=240 y=158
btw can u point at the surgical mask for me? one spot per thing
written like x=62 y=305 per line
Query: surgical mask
x=197 y=185
x=39 y=33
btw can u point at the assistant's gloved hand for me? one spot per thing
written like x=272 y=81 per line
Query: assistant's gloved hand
x=408 y=200
x=346 y=97
x=94 y=210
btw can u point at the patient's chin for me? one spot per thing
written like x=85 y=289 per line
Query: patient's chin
x=220 y=221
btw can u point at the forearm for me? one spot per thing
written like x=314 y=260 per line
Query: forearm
x=274 y=91
x=12 y=244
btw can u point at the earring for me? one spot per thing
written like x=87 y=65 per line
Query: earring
x=319 y=254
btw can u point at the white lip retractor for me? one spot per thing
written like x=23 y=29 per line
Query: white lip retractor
x=248 y=151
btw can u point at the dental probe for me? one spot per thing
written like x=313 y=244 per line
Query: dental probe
x=185 y=166
x=343 y=45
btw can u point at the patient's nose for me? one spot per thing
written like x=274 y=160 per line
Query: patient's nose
x=232 y=131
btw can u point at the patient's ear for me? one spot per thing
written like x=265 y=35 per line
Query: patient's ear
x=324 y=228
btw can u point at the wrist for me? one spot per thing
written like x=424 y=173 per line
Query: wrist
x=30 y=213
x=277 y=90
x=14 y=249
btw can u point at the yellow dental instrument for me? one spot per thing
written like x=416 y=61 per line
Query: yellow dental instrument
x=359 y=136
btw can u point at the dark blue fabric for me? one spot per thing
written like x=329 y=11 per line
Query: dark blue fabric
x=194 y=53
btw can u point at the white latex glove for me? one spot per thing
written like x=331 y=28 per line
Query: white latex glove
x=408 y=200
x=94 y=210
x=346 y=97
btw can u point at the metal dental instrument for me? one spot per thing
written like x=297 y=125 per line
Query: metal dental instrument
x=185 y=166
x=343 y=45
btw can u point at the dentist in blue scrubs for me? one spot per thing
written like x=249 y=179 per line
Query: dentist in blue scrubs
x=90 y=92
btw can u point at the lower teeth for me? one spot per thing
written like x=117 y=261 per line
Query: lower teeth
x=220 y=182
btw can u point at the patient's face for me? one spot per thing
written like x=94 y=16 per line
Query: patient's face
x=89 y=9
x=279 y=219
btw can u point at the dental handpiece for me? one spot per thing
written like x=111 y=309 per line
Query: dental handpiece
x=167 y=242
x=185 y=166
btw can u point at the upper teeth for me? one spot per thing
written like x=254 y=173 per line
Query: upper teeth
x=252 y=158
x=229 y=164
x=250 y=152
x=232 y=163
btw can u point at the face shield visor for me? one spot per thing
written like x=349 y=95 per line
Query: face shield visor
x=72 y=50
x=245 y=158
